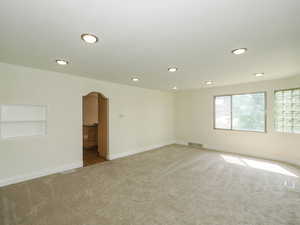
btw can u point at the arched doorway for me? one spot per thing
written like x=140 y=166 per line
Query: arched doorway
x=95 y=128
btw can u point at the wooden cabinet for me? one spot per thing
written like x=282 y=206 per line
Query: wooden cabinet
x=90 y=136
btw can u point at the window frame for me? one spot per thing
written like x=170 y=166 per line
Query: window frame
x=231 y=128
x=274 y=109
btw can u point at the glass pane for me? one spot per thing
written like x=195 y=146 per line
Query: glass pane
x=297 y=129
x=287 y=111
x=21 y=129
x=23 y=113
x=223 y=112
x=248 y=112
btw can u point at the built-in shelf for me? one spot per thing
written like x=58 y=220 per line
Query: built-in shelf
x=22 y=120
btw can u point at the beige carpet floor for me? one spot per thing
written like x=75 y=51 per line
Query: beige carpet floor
x=173 y=185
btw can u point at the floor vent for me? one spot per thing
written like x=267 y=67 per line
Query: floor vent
x=195 y=145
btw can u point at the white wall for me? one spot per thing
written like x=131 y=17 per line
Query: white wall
x=194 y=123
x=139 y=119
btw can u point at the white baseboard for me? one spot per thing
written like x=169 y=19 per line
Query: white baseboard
x=214 y=148
x=45 y=172
x=148 y=148
x=42 y=173
x=264 y=157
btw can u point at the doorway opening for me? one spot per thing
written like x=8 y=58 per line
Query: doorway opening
x=94 y=128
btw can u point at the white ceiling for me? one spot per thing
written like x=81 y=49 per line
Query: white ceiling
x=144 y=37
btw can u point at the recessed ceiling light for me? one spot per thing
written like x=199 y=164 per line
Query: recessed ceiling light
x=259 y=74
x=239 y=51
x=89 y=38
x=174 y=88
x=209 y=82
x=172 y=69
x=135 y=79
x=62 y=62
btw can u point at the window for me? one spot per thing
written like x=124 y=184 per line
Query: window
x=223 y=112
x=244 y=112
x=287 y=111
x=22 y=120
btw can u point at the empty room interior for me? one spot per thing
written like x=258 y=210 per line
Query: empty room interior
x=150 y=112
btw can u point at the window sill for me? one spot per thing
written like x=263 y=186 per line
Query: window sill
x=251 y=131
